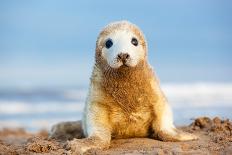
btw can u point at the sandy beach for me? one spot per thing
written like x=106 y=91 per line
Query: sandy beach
x=215 y=137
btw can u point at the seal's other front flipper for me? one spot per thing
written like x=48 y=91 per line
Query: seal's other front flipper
x=67 y=131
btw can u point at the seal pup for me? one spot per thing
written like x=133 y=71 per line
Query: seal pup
x=124 y=98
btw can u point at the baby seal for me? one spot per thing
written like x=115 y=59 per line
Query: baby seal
x=124 y=98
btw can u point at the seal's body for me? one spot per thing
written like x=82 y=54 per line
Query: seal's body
x=124 y=98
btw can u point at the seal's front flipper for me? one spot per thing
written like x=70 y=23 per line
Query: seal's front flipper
x=164 y=128
x=175 y=135
x=67 y=131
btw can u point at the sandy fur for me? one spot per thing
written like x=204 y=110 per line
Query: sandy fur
x=125 y=102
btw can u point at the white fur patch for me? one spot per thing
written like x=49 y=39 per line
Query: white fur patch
x=122 y=44
x=167 y=120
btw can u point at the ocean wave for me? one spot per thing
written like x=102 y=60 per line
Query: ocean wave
x=34 y=124
x=178 y=95
x=199 y=95
x=187 y=100
x=14 y=107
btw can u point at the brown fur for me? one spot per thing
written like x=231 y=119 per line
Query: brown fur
x=127 y=91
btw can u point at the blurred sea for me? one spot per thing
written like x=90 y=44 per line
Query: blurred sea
x=36 y=109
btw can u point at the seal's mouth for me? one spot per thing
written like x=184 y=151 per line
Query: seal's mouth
x=125 y=65
x=122 y=60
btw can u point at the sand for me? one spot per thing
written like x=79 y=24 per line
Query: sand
x=215 y=137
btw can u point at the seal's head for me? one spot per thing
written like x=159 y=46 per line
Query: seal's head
x=121 y=44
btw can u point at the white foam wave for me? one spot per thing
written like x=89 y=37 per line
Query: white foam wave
x=179 y=95
x=19 y=107
x=197 y=99
x=199 y=95
x=34 y=124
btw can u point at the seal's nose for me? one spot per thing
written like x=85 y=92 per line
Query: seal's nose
x=123 y=56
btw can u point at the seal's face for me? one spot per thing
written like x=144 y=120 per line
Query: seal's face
x=121 y=44
x=122 y=48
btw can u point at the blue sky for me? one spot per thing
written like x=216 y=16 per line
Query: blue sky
x=51 y=43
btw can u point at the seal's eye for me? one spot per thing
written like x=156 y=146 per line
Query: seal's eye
x=109 y=43
x=134 y=41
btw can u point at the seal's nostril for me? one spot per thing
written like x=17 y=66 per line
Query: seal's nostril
x=119 y=56
x=127 y=56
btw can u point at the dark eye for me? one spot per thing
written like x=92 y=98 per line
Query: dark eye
x=109 y=43
x=134 y=41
